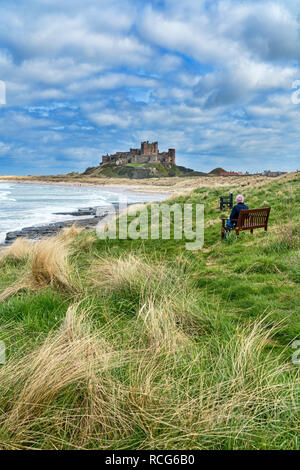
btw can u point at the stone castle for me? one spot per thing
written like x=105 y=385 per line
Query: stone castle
x=148 y=153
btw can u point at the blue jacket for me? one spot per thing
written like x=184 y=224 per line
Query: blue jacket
x=236 y=210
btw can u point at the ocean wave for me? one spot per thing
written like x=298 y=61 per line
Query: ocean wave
x=2 y=237
x=30 y=205
x=4 y=196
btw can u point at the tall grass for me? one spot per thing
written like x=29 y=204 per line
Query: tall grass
x=62 y=393
x=19 y=250
x=128 y=272
x=70 y=393
x=47 y=266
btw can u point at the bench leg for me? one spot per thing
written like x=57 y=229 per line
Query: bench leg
x=223 y=230
x=251 y=231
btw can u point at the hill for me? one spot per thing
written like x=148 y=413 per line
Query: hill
x=217 y=171
x=140 y=344
x=140 y=171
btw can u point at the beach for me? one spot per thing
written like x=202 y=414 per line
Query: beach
x=33 y=210
x=170 y=185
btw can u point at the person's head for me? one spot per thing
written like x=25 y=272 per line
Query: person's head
x=239 y=199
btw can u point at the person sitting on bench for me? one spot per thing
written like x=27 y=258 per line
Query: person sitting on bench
x=231 y=222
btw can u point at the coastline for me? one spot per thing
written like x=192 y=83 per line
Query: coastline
x=170 y=187
x=87 y=218
x=163 y=185
x=136 y=186
x=36 y=232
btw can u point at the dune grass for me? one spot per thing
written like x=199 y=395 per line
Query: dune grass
x=140 y=344
x=47 y=265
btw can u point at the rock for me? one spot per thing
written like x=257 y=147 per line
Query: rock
x=80 y=212
x=13 y=235
x=36 y=232
x=50 y=229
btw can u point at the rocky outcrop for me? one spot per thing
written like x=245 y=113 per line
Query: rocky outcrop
x=52 y=229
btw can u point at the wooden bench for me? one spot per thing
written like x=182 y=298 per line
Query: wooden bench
x=226 y=201
x=249 y=220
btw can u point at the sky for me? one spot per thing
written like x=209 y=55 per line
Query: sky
x=218 y=80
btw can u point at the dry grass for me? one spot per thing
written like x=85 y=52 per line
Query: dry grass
x=50 y=263
x=209 y=401
x=128 y=272
x=22 y=248
x=68 y=234
x=19 y=250
x=47 y=266
x=160 y=325
x=250 y=385
x=64 y=394
x=167 y=310
x=74 y=363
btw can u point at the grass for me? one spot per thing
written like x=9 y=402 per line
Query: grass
x=140 y=344
x=47 y=265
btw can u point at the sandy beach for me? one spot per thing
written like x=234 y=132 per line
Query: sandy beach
x=167 y=185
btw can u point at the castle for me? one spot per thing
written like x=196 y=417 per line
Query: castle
x=148 y=153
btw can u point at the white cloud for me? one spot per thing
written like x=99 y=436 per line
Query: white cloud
x=211 y=78
x=112 y=81
x=107 y=118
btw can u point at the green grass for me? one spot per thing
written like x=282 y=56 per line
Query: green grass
x=165 y=348
x=140 y=170
x=135 y=165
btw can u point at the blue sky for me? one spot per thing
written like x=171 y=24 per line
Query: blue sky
x=211 y=78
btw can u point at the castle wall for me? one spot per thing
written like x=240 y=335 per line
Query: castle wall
x=142 y=159
x=147 y=154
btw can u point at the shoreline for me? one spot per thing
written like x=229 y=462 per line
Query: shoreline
x=36 y=232
x=170 y=186
x=87 y=218
x=134 y=187
x=163 y=185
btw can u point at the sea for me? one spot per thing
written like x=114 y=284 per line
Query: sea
x=27 y=205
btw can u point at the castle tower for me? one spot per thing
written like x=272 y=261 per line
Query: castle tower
x=155 y=148
x=149 y=148
x=172 y=155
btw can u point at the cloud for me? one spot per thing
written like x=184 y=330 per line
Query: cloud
x=241 y=82
x=213 y=79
